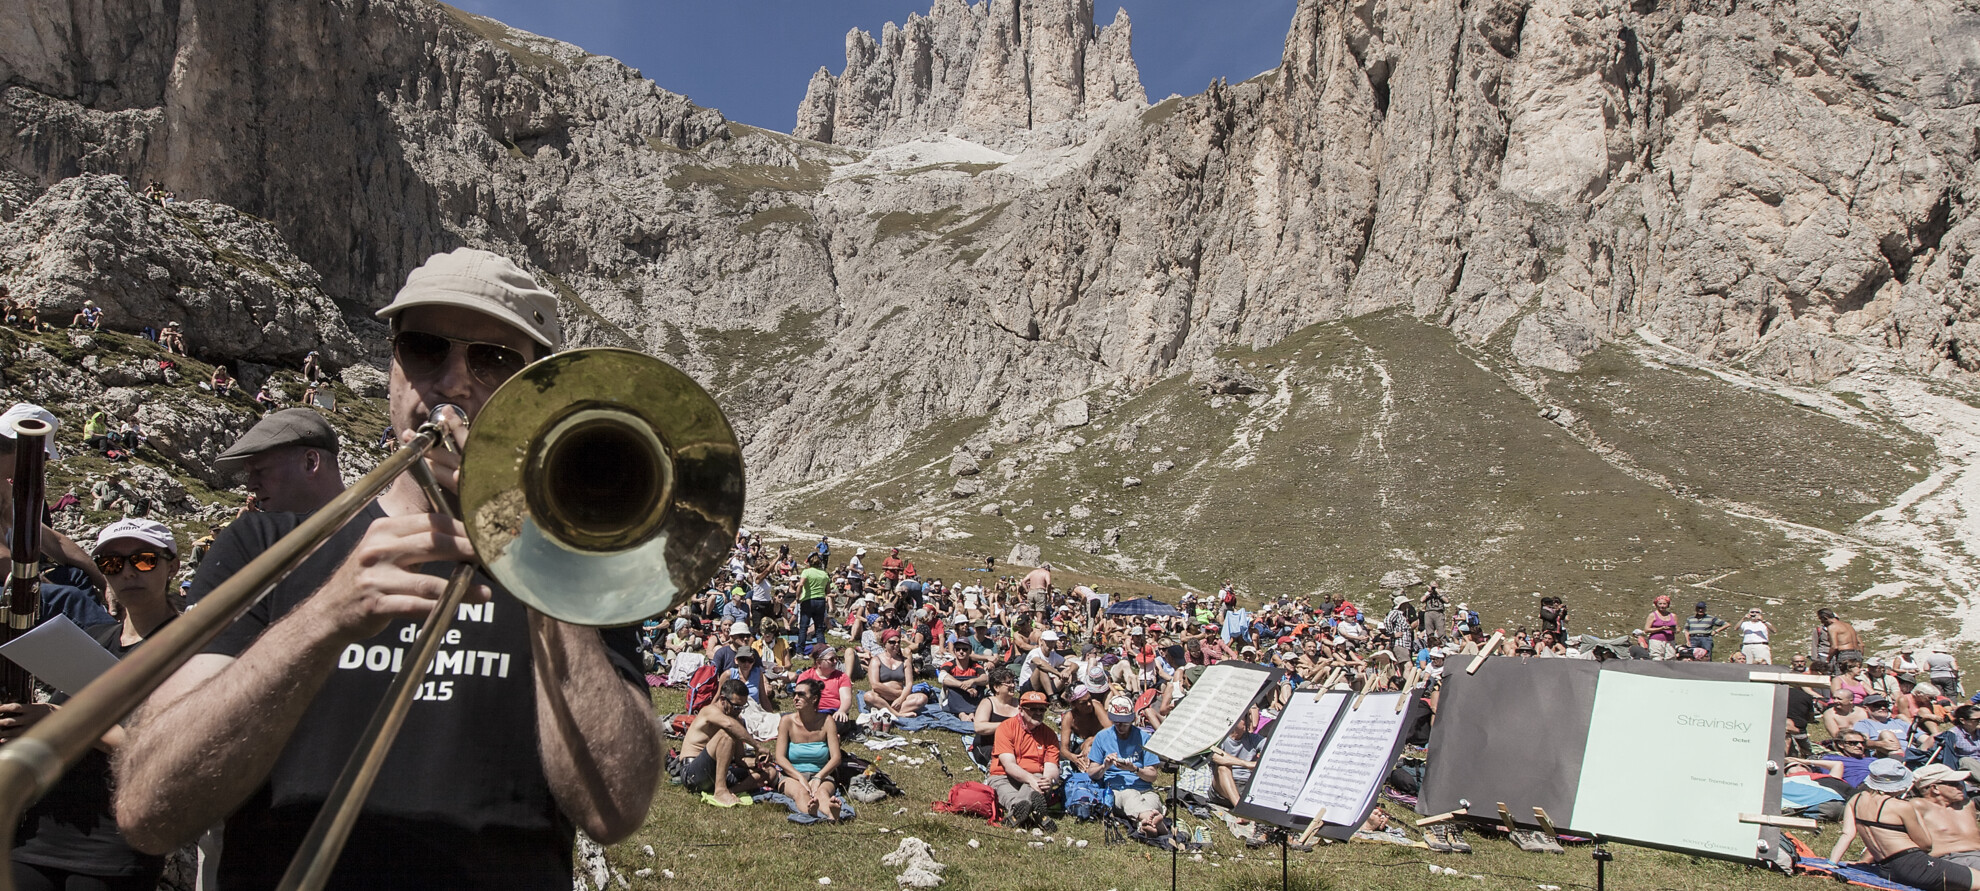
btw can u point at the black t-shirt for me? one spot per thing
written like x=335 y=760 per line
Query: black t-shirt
x=462 y=801
x=71 y=828
x=1801 y=707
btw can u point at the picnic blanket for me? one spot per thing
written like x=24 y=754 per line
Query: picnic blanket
x=1817 y=866
x=797 y=816
x=1807 y=864
x=934 y=720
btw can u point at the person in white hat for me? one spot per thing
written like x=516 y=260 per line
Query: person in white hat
x=1939 y=792
x=69 y=838
x=528 y=728
x=1045 y=669
x=64 y=562
x=1894 y=836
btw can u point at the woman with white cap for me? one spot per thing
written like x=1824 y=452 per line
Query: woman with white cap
x=1894 y=836
x=69 y=839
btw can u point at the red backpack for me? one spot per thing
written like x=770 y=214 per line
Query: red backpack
x=971 y=799
x=701 y=687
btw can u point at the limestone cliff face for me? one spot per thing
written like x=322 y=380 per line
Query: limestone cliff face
x=995 y=225
x=1000 y=72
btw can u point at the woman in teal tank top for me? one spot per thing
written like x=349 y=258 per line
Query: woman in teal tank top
x=808 y=752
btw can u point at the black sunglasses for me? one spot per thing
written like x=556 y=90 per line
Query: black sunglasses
x=111 y=564
x=422 y=354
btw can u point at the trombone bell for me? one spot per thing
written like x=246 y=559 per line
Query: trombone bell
x=601 y=486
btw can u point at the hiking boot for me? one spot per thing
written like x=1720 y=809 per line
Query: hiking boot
x=1438 y=838
x=1048 y=824
x=1455 y=836
x=1019 y=813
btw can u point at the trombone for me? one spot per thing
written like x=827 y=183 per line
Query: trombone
x=595 y=470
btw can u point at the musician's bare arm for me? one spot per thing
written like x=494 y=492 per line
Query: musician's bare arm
x=601 y=746
x=209 y=736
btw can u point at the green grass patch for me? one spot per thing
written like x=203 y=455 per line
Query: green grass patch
x=782 y=215
x=1161 y=111
x=504 y=37
x=736 y=185
x=901 y=222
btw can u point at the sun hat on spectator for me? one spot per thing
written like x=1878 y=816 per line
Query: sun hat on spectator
x=22 y=411
x=150 y=532
x=1120 y=710
x=1888 y=775
x=1937 y=773
x=1094 y=682
x=890 y=634
x=486 y=283
x=1049 y=635
x=739 y=629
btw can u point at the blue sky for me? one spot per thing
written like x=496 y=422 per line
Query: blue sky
x=752 y=59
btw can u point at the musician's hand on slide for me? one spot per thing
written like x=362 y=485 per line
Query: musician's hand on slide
x=380 y=581
x=15 y=719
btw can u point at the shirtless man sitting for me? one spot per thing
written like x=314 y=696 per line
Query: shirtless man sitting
x=1895 y=840
x=1939 y=793
x=707 y=762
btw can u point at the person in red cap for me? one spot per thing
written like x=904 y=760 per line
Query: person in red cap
x=1024 y=764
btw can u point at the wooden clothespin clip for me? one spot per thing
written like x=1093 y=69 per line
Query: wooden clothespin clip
x=1546 y=823
x=1409 y=683
x=1367 y=684
x=1505 y=816
x=1490 y=647
x=1333 y=677
x=1312 y=829
x=1447 y=815
x=1777 y=820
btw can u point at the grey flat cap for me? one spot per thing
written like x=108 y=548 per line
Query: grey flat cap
x=288 y=427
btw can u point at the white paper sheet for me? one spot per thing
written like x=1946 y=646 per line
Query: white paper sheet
x=60 y=655
x=1354 y=761
x=1214 y=704
x=1287 y=761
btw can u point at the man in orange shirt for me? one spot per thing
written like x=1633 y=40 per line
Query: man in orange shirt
x=1024 y=764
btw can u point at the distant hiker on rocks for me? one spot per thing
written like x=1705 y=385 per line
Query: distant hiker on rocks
x=288 y=460
x=312 y=368
x=129 y=437
x=264 y=398
x=111 y=492
x=222 y=383
x=96 y=432
x=91 y=316
x=21 y=311
x=172 y=338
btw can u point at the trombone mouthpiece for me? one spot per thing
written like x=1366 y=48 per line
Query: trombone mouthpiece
x=440 y=411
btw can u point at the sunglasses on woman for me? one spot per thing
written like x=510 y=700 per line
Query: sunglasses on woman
x=111 y=564
x=422 y=354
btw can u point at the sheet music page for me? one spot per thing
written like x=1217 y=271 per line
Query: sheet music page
x=1354 y=761
x=1288 y=757
x=1214 y=704
x=60 y=654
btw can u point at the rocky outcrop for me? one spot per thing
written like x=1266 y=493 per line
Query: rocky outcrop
x=1772 y=185
x=999 y=72
x=227 y=278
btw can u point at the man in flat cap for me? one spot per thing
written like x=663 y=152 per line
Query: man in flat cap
x=288 y=460
x=526 y=727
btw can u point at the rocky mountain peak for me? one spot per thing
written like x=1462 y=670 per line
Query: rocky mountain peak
x=1000 y=72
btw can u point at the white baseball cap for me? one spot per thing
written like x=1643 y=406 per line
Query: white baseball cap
x=150 y=532
x=22 y=411
x=739 y=628
x=1049 y=635
x=1121 y=710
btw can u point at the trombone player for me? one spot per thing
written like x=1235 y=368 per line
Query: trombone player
x=525 y=728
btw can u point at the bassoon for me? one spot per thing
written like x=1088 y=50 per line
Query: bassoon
x=23 y=604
